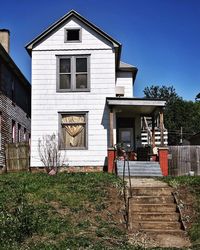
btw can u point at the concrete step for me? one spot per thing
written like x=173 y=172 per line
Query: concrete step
x=133 y=163
x=142 y=173
x=153 y=199
x=164 y=225
x=133 y=171
x=151 y=191
x=155 y=216
x=140 y=170
x=137 y=168
x=176 y=232
x=161 y=208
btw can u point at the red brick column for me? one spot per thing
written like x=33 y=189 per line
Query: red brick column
x=163 y=160
x=111 y=160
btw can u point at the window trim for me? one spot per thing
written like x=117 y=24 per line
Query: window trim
x=60 y=113
x=73 y=73
x=73 y=41
x=13 y=131
x=25 y=135
x=19 y=132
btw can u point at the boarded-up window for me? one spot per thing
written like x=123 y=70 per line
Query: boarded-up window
x=73 y=131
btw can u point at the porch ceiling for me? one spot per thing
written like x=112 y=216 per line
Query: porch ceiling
x=135 y=105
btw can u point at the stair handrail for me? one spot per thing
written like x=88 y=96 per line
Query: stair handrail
x=121 y=147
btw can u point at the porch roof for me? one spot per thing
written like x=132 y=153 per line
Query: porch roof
x=137 y=105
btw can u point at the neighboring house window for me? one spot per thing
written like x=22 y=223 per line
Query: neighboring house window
x=73 y=73
x=74 y=131
x=72 y=35
x=13 y=131
x=29 y=139
x=13 y=92
x=0 y=127
x=19 y=133
x=25 y=135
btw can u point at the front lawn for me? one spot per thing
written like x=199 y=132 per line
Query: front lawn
x=75 y=211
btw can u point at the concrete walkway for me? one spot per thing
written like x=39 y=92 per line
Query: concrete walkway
x=146 y=182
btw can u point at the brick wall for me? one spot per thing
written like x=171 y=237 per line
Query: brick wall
x=70 y=169
x=15 y=103
x=10 y=113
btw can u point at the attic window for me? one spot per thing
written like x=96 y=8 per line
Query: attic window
x=72 y=35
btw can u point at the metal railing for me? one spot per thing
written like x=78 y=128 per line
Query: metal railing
x=122 y=151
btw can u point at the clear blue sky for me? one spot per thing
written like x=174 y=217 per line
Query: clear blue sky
x=160 y=37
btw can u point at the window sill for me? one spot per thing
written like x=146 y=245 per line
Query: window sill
x=73 y=41
x=69 y=91
x=85 y=148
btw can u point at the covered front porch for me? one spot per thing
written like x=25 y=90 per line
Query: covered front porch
x=138 y=124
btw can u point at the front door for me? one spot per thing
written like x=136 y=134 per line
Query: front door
x=126 y=136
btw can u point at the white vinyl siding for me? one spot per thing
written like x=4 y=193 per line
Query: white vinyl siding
x=46 y=102
x=89 y=40
x=125 y=79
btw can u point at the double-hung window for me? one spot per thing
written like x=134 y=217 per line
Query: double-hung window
x=73 y=73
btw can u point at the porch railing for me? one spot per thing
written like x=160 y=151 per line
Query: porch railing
x=146 y=140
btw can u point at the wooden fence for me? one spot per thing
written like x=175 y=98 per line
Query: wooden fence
x=183 y=159
x=17 y=157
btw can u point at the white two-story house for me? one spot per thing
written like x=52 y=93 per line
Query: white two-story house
x=82 y=91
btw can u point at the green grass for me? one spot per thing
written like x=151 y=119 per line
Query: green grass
x=38 y=211
x=193 y=186
x=68 y=211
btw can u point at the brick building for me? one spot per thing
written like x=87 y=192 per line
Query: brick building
x=15 y=99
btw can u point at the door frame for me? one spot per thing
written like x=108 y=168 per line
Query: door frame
x=125 y=122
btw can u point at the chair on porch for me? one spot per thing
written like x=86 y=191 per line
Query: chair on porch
x=146 y=154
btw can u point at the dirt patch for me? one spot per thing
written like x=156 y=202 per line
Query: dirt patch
x=146 y=240
x=109 y=211
x=187 y=204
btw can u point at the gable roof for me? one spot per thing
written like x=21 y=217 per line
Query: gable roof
x=62 y=20
x=9 y=61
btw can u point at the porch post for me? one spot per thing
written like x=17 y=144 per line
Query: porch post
x=111 y=127
x=153 y=131
x=114 y=127
x=111 y=151
x=161 y=128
